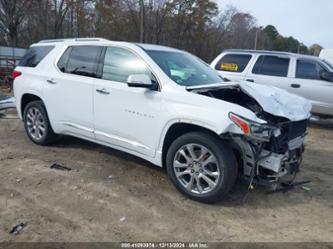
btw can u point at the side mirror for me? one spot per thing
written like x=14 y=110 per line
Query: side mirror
x=328 y=76
x=141 y=81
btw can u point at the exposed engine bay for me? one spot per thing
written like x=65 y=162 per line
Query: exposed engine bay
x=271 y=153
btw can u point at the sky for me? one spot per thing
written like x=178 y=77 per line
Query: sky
x=308 y=21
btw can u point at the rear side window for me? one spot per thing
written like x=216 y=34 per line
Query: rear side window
x=81 y=60
x=272 y=65
x=233 y=63
x=35 y=55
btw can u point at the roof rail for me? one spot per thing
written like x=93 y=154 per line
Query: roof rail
x=91 y=39
x=73 y=39
x=52 y=40
x=268 y=52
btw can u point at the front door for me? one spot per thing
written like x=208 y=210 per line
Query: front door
x=125 y=117
x=308 y=83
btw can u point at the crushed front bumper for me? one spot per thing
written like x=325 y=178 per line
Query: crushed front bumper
x=276 y=161
x=275 y=167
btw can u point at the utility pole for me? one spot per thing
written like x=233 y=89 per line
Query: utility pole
x=141 y=21
x=256 y=40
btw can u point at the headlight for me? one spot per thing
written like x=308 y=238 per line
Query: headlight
x=253 y=129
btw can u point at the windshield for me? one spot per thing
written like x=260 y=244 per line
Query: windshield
x=185 y=69
x=328 y=64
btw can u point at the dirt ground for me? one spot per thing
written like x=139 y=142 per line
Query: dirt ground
x=112 y=196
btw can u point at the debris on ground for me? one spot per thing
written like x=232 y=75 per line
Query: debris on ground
x=60 y=167
x=122 y=219
x=285 y=187
x=17 y=229
x=7 y=102
x=18 y=180
x=306 y=188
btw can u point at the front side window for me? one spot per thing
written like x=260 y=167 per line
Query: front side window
x=233 y=63
x=185 y=69
x=120 y=63
x=81 y=60
x=35 y=55
x=308 y=69
x=272 y=66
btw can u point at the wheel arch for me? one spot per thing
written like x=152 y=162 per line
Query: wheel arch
x=26 y=99
x=178 y=129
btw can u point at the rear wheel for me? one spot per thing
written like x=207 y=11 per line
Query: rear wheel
x=201 y=166
x=37 y=124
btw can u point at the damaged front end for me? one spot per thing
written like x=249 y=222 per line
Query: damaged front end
x=273 y=158
x=270 y=152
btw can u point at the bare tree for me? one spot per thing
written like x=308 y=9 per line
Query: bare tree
x=59 y=9
x=193 y=25
x=12 y=14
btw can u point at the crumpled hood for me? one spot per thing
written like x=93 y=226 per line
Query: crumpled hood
x=273 y=100
x=278 y=102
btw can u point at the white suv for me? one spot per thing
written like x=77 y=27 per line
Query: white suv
x=304 y=75
x=163 y=105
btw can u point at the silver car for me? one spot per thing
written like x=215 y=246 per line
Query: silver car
x=304 y=75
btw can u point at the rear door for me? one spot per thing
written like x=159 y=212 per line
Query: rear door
x=308 y=83
x=68 y=91
x=233 y=66
x=271 y=70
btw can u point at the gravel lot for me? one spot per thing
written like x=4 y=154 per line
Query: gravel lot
x=112 y=196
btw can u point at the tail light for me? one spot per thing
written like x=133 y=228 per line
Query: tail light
x=16 y=74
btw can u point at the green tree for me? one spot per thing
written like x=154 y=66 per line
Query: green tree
x=271 y=32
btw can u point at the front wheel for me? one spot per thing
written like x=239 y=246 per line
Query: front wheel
x=201 y=166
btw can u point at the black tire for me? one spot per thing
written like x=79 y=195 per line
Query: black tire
x=48 y=136
x=225 y=159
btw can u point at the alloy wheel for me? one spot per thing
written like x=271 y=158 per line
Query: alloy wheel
x=196 y=168
x=36 y=124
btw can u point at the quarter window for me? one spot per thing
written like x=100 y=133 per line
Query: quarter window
x=35 y=55
x=233 y=62
x=62 y=63
x=272 y=65
x=120 y=63
x=307 y=69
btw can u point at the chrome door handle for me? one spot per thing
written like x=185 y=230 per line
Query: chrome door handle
x=249 y=80
x=295 y=85
x=51 y=81
x=102 y=91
